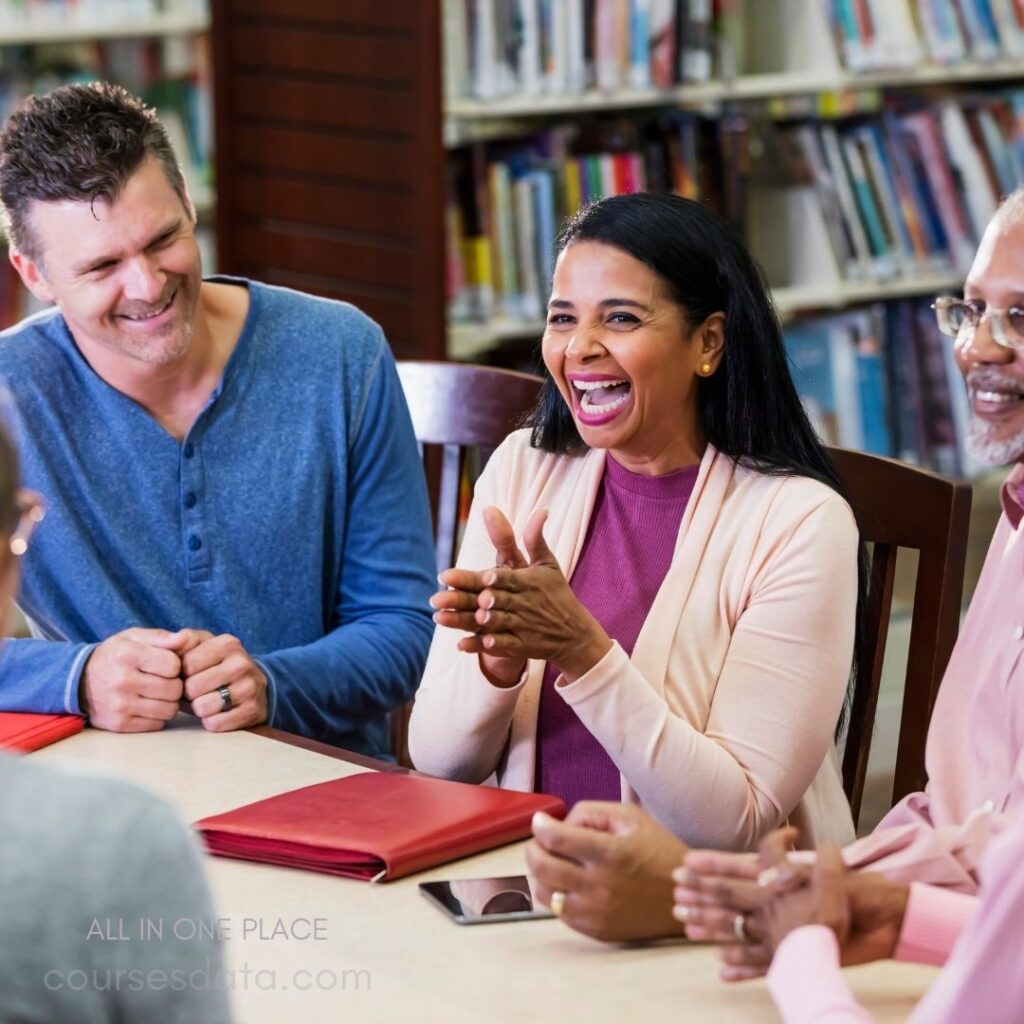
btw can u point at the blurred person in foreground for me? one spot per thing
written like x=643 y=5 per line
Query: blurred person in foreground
x=92 y=869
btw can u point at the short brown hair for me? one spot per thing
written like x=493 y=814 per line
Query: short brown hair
x=79 y=142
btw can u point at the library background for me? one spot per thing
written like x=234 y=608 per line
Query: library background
x=416 y=157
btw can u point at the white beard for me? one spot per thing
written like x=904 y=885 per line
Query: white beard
x=982 y=447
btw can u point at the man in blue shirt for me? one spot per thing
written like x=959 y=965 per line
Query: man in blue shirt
x=238 y=516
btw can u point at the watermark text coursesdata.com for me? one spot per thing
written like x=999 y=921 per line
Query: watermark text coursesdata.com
x=206 y=976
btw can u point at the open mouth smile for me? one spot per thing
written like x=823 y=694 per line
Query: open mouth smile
x=994 y=402
x=599 y=399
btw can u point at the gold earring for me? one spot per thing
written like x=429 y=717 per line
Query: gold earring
x=705 y=368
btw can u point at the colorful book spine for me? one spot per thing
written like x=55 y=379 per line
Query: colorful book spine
x=662 y=34
x=640 y=44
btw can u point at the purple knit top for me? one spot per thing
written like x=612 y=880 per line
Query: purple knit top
x=626 y=554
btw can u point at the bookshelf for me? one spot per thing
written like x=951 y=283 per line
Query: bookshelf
x=798 y=57
x=34 y=32
x=859 y=145
x=345 y=135
x=469 y=120
x=469 y=342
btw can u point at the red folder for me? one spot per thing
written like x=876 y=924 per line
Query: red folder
x=375 y=825
x=20 y=730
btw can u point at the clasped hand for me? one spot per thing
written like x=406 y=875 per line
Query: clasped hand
x=134 y=681
x=522 y=608
x=775 y=896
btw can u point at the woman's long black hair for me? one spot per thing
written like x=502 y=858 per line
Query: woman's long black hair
x=749 y=408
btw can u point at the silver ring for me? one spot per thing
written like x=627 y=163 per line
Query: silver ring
x=225 y=698
x=739 y=926
x=558 y=903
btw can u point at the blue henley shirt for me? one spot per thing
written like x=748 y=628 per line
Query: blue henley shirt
x=293 y=515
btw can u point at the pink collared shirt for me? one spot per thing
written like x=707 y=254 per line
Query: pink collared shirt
x=976 y=737
x=982 y=981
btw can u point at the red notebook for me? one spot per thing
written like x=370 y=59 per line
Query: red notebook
x=375 y=825
x=21 y=730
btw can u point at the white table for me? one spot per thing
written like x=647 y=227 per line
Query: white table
x=386 y=953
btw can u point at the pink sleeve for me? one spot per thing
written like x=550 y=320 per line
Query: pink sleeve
x=907 y=846
x=932 y=923
x=806 y=982
x=983 y=980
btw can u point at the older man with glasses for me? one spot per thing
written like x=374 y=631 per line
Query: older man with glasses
x=929 y=846
x=923 y=858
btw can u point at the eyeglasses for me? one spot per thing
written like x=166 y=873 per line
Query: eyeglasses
x=31 y=512
x=959 y=318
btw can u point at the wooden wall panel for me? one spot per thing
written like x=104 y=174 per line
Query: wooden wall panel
x=341 y=155
x=329 y=155
x=380 y=14
x=311 y=201
x=350 y=55
x=313 y=102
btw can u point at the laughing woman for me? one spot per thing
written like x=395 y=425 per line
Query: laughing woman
x=674 y=625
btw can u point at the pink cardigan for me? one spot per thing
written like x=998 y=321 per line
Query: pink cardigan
x=721 y=723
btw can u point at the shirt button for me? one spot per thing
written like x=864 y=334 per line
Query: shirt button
x=189 y=450
x=194 y=543
x=988 y=806
x=190 y=500
x=1018 y=633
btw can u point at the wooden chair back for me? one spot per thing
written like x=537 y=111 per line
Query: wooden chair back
x=456 y=407
x=900 y=506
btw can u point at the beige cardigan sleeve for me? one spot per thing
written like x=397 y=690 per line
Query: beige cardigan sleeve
x=727 y=781
x=460 y=722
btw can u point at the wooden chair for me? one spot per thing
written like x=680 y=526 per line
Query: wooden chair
x=456 y=407
x=896 y=506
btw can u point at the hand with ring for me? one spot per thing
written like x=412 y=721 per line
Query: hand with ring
x=615 y=862
x=718 y=897
x=558 y=903
x=739 y=926
x=227 y=688
x=714 y=889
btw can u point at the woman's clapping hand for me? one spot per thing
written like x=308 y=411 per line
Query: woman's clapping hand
x=521 y=608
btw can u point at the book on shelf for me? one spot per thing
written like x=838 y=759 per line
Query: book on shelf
x=527 y=48
x=883 y=379
x=530 y=48
x=508 y=200
x=901 y=194
x=909 y=191
x=838 y=370
x=873 y=35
